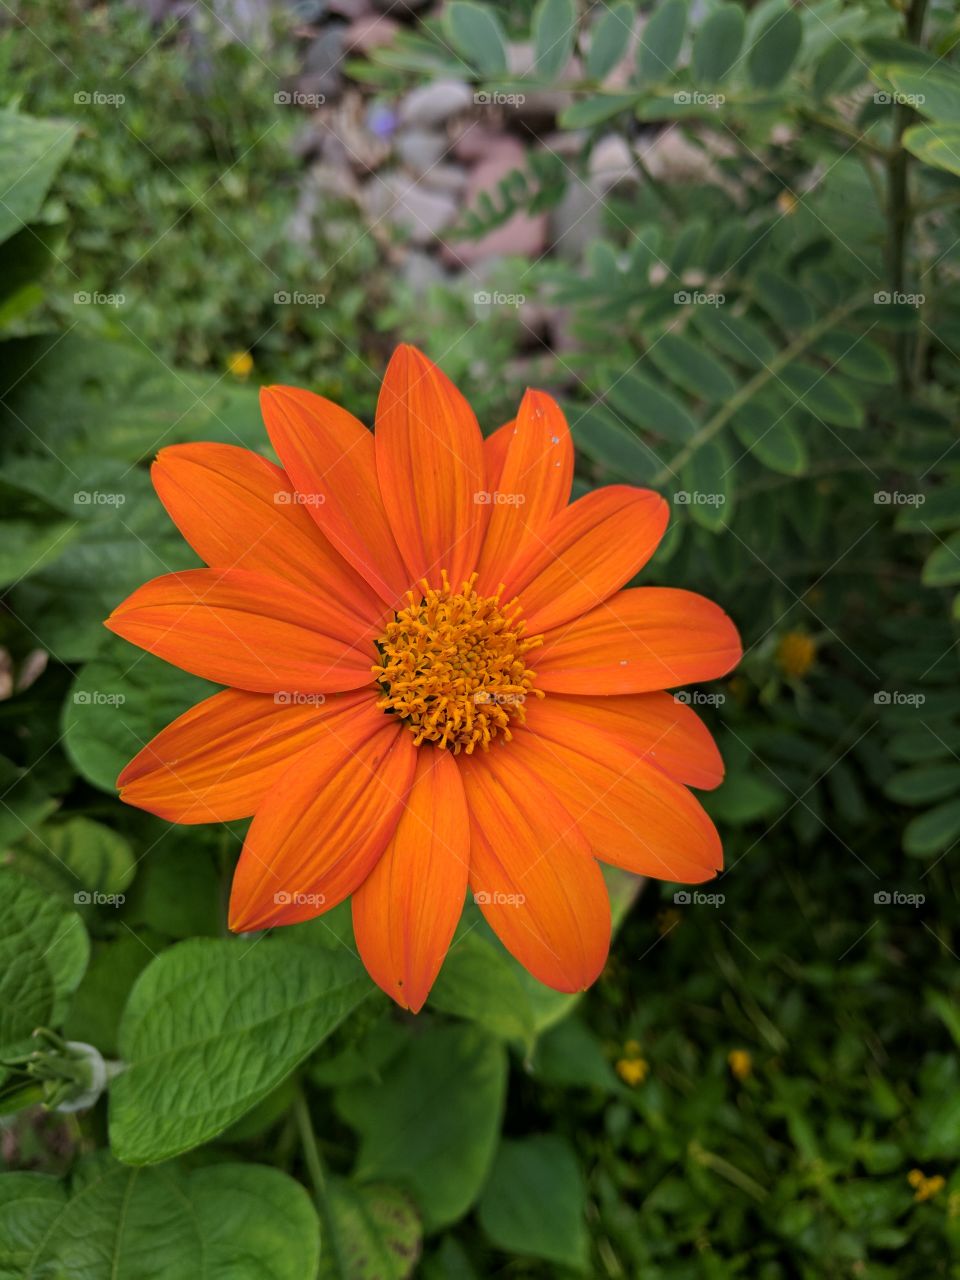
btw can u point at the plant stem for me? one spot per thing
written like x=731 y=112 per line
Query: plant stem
x=311 y=1152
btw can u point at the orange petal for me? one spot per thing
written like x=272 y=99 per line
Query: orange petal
x=320 y=831
x=495 y=448
x=532 y=874
x=533 y=486
x=585 y=554
x=431 y=469
x=239 y=511
x=330 y=458
x=634 y=815
x=656 y=726
x=406 y=911
x=247 y=630
x=642 y=639
x=218 y=760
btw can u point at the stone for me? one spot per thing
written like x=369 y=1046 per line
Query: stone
x=612 y=162
x=524 y=234
x=421 y=271
x=370 y=32
x=433 y=104
x=446 y=177
x=419 y=150
x=321 y=74
x=417 y=211
x=576 y=221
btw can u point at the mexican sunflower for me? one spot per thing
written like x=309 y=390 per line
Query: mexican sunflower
x=436 y=683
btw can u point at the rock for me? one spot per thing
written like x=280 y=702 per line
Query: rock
x=433 y=104
x=421 y=271
x=576 y=221
x=536 y=104
x=524 y=234
x=612 y=162
x=350 y=9
x=420 y=150
x=321 y=73
x=421 y=213
x=370 y=32
x=446 y=177
x=399 y=6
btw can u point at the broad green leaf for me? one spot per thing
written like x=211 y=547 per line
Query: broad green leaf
x=479 y=983
x=86 y=858
x=52 y=933
x=28 y=547
x=660 y=41
x=924 y=785
x=534 y=1202
x=933 y=831
x=775 y=49
x=177 y=888
x=934 y=93
x=569 y=1054
x=553 y=29
x=717 y=44
x=431 y=1125
x=211 y=1027
x=116 y=704
x=598 y=434
x=99 y=1000
x=26 y=989
x=708 y=482
x=743 y=798
x=609 y=38
x=370 y=1232
x=31 y=152
x=691 y=367
x=644 y=404
x=942 y=566
x=939 y=510
x=224 y=1222
x=833 y=68
x=938 y=145
x=476 y=34
x=587 y=112
x=823 y=394
x=30 y=1204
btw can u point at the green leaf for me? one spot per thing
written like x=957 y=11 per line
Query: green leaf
x=823 y=394
x=225 y=1222
x=88 y=857
x=942 y=566
x=738 y=337
x=717 y=44
x=933 y=831
x=431 y=1125
x=371 y=1233
x=27 y=547
x=553 y=29
x=775 y=50
x=31 y=152
x=935 y=93
x=609 y=38
x=476 y=34
x=924 y=785
x=533 y=1204
x=478 y=982
x=691 y=367
x=707 y=480
x=598 y=434
x=569 y=1054
x=856 y=356
x=99 y=1000
x=936 y=145
x=788 y=305
x=762 y=427
x=660 y=41
x=831 y=72
x=645 y=405
x=587 y=112
x=211 y=1027
x=939 y=510
x=116 y=704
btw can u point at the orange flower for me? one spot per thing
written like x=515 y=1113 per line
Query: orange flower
x=436 y=681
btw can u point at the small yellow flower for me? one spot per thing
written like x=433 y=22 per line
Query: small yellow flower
x=925 y=1188
x=240 y=364
x=740 y=1063
x=787 y=202
x=633 y=1071
x=795 y=654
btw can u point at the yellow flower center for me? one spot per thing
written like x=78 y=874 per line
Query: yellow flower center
x=453 y=666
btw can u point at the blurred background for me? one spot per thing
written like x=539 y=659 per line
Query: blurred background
x=725 y=237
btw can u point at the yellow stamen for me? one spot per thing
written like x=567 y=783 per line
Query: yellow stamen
x=453 y=666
